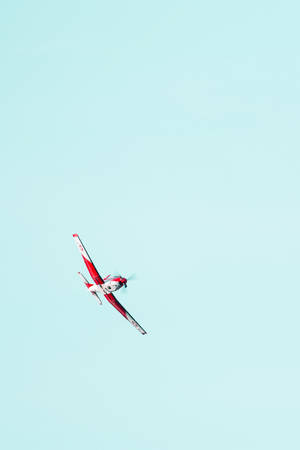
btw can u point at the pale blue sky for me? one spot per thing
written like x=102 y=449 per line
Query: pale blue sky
x=167 y=135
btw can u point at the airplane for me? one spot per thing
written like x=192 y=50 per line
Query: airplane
x=105 y=286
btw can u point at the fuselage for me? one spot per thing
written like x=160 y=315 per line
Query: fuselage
x=110 y=285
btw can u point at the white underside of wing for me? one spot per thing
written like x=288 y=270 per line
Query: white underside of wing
x=81 y=247
x=134 y=323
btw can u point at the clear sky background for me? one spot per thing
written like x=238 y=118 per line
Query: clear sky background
x=166 y=134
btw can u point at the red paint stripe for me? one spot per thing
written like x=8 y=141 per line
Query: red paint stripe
x=93 y=271
x=112 y=299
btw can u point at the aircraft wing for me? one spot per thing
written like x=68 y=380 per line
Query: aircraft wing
x=112 y=299
x=88 y=262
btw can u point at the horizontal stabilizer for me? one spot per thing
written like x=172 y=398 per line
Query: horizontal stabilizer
x=85 y=280
x=88 y=285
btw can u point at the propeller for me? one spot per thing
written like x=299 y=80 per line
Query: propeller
x=129 y=278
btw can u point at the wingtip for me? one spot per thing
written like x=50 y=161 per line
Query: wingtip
x=75 y=235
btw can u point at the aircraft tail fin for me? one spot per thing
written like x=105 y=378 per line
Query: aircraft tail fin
x=85 y=280
x=88 y=285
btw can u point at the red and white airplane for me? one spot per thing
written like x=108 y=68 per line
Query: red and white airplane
x=105 y=286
